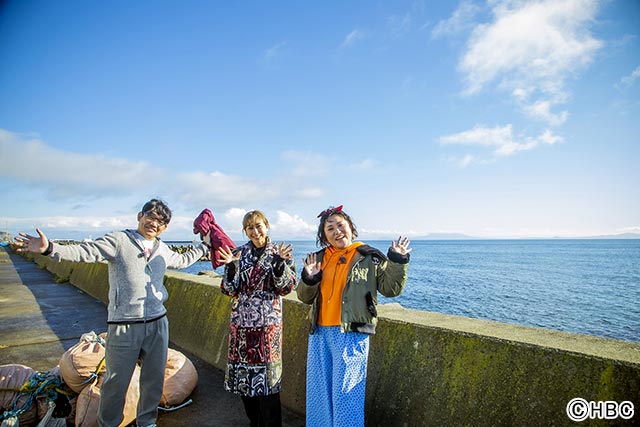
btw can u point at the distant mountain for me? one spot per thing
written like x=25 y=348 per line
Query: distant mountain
x=615 y=236
x=460 y=236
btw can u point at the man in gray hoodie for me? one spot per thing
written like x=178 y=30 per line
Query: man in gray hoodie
x=137 y=325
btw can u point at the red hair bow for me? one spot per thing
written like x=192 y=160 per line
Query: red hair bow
x=330 y=211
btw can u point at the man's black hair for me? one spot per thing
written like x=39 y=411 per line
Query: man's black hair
x=158 y=207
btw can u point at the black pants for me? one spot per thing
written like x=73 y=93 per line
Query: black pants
x=263 y=411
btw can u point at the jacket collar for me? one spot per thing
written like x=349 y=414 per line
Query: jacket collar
x=134 y=236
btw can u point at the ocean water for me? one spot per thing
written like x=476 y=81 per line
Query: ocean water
x=584 y=286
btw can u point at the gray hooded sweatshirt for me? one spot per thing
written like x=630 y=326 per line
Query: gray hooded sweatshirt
x=136 y=289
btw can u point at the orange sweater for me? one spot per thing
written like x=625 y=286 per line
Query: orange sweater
x=335 y=269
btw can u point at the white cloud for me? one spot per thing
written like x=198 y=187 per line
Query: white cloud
x=287 y=225
x=273 y=51
x=235 y=215
x=231 y=221
x=310 y=193
x=530 y=44
x=218 y=189
x=521 y=94
x=31 y=164
x=628 y=81
x=79 y=227
x=71 y=175
x=307 y=163
x=633 y=229
x=480 y=135
x=499 y=139
x=84 y=223
x=365 y=165
x=351 y=38
x=462 y=19
x=465 y=161
x=283 y=225
x=535 y=40
x=399 y=25
x=542 y=110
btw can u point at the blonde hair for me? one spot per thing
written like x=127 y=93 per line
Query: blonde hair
x=252 y=216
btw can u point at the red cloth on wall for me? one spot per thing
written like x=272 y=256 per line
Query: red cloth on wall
x=205 y=224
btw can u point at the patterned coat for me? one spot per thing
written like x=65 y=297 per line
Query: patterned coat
x=257 y=282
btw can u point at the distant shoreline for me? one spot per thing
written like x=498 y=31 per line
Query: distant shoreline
x=485 y=239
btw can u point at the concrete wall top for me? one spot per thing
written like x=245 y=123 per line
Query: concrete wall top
x=623 y=351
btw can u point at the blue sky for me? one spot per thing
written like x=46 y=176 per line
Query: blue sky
x=513 y=118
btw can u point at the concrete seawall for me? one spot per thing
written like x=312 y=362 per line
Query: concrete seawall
x=424 y=368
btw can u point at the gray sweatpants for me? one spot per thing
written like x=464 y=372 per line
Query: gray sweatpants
x=126 y=343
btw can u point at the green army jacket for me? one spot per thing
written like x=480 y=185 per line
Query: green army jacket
x=370 y=272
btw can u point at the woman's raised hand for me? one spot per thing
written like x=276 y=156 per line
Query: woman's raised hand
x=401 y=246
x=285 y=251
x=311 y=265
x=225 y=255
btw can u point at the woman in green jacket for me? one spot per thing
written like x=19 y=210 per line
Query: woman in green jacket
x=342 y=282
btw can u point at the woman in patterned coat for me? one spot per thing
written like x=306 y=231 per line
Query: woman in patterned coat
x=256 y=275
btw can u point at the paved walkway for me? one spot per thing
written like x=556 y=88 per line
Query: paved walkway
x=41 y=319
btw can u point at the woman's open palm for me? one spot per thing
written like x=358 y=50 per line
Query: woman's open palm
x=311 y=265
x=401 y=246
x=225 y=255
